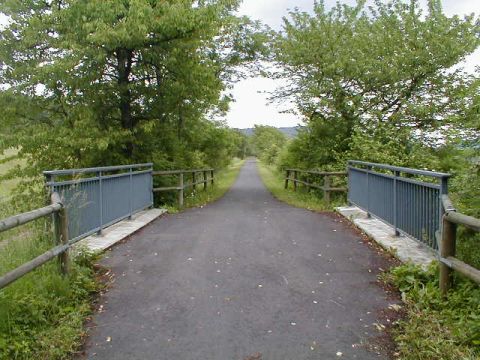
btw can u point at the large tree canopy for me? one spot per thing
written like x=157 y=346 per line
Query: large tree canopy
x=106 y=82
x=386 y=69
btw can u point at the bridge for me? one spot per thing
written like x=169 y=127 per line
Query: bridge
x=245 y=277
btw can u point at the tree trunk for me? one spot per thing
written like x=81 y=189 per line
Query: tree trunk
x=124 y=60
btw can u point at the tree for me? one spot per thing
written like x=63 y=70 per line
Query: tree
x=267 y=142
x=383 y=70
x=107 y=82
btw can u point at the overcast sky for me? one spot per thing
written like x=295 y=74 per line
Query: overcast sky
x=251 y=105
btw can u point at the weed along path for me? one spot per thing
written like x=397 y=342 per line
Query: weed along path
x=246 y=277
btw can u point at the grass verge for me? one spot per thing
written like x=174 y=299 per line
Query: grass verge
x=42 y=314
x=275 y=182
x=436 y=328
x=224 y=179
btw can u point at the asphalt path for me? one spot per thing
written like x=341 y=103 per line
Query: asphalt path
x=245 y=277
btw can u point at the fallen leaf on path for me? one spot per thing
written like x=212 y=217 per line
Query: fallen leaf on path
x=379 y=327
x=395 y=307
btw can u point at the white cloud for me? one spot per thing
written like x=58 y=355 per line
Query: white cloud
x=251 y=107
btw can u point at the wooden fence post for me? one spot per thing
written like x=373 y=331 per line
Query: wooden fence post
x=326 y=189
x=447 y=248
x=213 y=180
x=60 y=223
x=180 y=190
x=286 y=179
x=194 y=180
x=205 y=181
x=295 y=180
x=64 y=257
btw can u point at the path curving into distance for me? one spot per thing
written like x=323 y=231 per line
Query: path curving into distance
x=245 y=277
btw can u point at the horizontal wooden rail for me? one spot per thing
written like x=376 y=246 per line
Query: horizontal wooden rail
x=176 y=172
x=327 y=184
x=17 y=220
x=448 y=261
x=465 y=220
x=182 y=185
x=60 y=231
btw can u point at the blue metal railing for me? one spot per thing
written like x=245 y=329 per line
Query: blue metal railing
x=407 y=199
x=98 y=197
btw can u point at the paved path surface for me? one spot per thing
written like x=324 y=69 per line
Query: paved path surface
x=244 y=276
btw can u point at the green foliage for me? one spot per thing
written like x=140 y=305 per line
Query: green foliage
x=436 y=328
x=267 y=143
x=382 y=73
x=105 y=83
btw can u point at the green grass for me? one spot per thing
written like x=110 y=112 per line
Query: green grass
x=42 y=314
x=436 y=328
x=224 y=179
x=6 y=186
x=275 y=182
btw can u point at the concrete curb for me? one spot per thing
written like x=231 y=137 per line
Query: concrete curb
x=405 y=248
x=119 y=231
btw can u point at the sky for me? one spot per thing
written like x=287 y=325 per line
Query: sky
x=251 y=105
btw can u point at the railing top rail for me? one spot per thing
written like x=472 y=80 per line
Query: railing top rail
x=173 y=172
x=96 y=169
x=401 y=169
x=319 y=172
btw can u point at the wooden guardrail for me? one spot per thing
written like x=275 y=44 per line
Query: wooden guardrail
x=60 y=231
x=182 y=185
x=326 y=187
x=448 y=261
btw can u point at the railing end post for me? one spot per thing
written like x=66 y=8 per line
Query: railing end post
x=447 y=249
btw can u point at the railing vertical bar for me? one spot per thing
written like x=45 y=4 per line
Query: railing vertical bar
x=151 y=185
x=425 y=236
x=395 y=204
x=100 y=201
x=368 y=191
x=131 y=193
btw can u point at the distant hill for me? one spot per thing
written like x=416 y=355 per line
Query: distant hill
x=289 y=132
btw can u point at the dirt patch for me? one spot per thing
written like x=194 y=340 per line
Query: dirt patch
x=104 y=278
